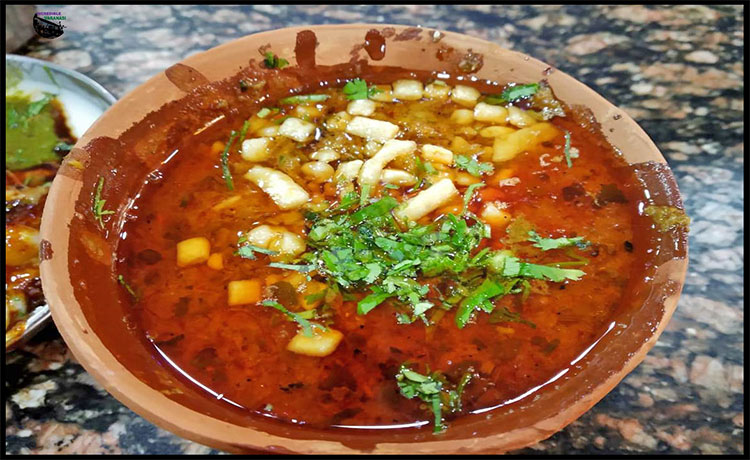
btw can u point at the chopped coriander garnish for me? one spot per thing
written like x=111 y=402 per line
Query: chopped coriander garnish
x=470 y=193
x=266 y=111
x=247 y=251
x=97 y=207
x=299 y=99
x=512 y=267
x=121 y=280
x=566 y=150
x=358 y=89
x=307 y=326
x=225 y=172
x=298 y=268
x=545 y=244
x=472 y=166
x=272 y=61
x=520 y=92
x=432 y=390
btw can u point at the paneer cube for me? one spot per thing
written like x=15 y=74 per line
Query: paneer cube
x=491 y=113
x=299 y=130
x=282 y=189
x=496 y=131
x=372 y=168
x=465 y=95
x=256 y=149
x=269 y=131
x=437 y=154
x=428 y=200
x=321 y=343
x=520 y=118
x=438 y=90
x=462 y=117
x=364 y=107
x=261 y=236
x=193 y=251
x=372 y=129
x=408 y=90
x=243 y=292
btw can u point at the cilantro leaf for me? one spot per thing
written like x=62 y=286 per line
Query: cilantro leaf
x=516 y=92
x=434 y=390
x=510 y=267
x=247 y=251
x=358 y=89
x=472 y=166
x=97 y=206
x=225 y=172
x=546 y=244
x=377 y=297
x=307 y=326
x=566 y=149
x=272 y=61
x=121 y=280
x=480 y=299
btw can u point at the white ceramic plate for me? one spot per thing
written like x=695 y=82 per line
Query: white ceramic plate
x=83 y=101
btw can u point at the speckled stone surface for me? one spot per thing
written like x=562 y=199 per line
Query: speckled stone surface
x=677 y=70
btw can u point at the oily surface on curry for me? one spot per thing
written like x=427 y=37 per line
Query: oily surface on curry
x=492 y=240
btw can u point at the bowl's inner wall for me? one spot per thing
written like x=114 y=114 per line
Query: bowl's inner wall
x=127 y=160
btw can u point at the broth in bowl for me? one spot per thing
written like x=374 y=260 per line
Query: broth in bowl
x=391 y=255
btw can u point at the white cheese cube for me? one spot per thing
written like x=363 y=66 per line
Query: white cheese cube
x=282 y=189
x=348 y=171
x=465 y=95
x=261 y=236
x=490 y=113
x=407 y=90
x=371 y=169
x=428 y=200
x=438 y=90
x=437 y=154
x=296 y=129
x=256 y=149
x=372 y=129
x=364 y=107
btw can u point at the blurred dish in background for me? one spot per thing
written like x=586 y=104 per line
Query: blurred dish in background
x=47 y=108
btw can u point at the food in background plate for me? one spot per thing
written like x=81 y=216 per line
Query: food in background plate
x=382 y=255
x=36 y=138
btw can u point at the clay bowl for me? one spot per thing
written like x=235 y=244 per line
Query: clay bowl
x=144 y=128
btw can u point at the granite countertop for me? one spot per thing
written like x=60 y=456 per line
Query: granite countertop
x=677 y=70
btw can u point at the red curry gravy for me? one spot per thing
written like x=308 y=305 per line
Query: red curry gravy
x=239 y=353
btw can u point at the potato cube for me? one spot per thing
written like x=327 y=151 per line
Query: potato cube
x=384 y=95
x=364 y=107
x=193 y=251
x=243 y=292
x=465 y=179
x=505 y=148
x=437 y=154
x=297 y=129
x=465 y=95
x=398 y=177
x=372 y=129
x=322 y=343
x=428 y=200
x=407 y=90
x=462 y=117
x=261 y=236
x=215 y=261
x=438 y=90
x=282 y=189
x=519 y=118
x=460 y=145
x=287 y=244
x=496 y=131
x=256 y=149
x=491 y=113
x=494 y=213
x=326 y=155
x=372 y=168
